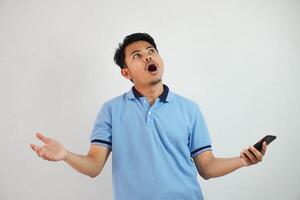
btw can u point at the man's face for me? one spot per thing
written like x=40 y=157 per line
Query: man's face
x=144 y=64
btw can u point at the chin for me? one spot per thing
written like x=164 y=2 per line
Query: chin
x=155 y=82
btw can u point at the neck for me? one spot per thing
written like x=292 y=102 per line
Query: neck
x=151 y=92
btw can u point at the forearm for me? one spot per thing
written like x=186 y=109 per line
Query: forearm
x=83 y=164
x=222 y=166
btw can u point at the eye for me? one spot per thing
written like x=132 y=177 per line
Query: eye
x=151 y=51
x=136 y=55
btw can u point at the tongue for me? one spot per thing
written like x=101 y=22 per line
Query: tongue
x=152 y=68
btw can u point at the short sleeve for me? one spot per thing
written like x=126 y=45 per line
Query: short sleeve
x=102 y=131
x=199 y=138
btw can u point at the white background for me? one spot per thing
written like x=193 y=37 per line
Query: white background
x=239 y=60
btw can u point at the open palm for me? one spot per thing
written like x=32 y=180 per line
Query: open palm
x=52 y=150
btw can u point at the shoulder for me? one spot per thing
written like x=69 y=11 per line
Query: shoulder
x=114 y=102
x=186 y=102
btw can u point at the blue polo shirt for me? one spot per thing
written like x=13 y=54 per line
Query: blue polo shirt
x=152 y=146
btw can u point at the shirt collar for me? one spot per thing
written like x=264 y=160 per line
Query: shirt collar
x=165 y=96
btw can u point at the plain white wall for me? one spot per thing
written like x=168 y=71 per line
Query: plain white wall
x=240 y=60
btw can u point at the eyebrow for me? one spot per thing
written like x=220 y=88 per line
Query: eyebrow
x=149 y=47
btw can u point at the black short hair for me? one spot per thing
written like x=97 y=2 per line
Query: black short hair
x=119 y=56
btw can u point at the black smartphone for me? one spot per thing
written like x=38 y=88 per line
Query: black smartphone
x=268 y=139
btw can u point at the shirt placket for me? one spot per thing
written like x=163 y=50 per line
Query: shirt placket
x=149 y=111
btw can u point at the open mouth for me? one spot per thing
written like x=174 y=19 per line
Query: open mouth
x=152 y=68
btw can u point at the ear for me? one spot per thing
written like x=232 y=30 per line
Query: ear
x=125 y=73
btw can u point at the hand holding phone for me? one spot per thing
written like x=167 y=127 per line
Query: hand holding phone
x=251 y=157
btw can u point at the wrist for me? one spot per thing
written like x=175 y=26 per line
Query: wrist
x=66 y=155
x=243 y=163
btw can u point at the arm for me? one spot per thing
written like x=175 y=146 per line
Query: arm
x=210 y=167
x=90 y=164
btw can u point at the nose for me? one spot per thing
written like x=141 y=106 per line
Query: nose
x=148 y=58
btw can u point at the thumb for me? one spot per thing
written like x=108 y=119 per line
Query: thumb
x=264 y=148
x=43 y=138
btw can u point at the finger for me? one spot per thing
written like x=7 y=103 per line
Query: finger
x=42 y=151
x=46 y=156
x=250 y=156
x=264 y=148
x=43 y=156
x=245 y=155
x=245 y=158
x=37 y=153
x=43 y=138
x=38 y=150
x=34 y=147
x=256 y=153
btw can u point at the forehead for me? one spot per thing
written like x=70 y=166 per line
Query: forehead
x=138 y=45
